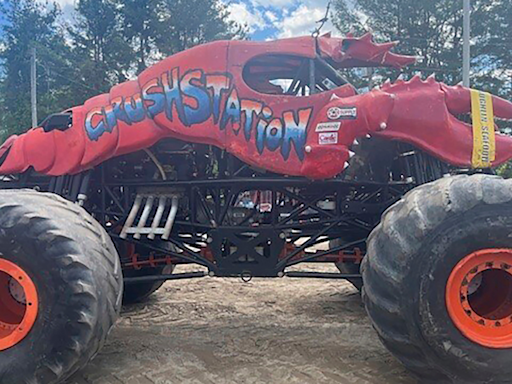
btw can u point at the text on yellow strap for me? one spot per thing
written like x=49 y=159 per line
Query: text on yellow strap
x=484 y=141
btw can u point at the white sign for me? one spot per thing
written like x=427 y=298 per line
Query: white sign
x=327 y=138
x=328 y=127
x=335 y=113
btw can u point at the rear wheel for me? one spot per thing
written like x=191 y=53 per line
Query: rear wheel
x=60 y=287
x=139 y=292
x=351 y=269
x=438 y=280
x=479 y=297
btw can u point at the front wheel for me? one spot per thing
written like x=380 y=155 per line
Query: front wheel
x=438 y=280
x=60 y=287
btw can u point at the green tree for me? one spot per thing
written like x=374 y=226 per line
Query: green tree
x=185 y=23
x=141 y=28
x=494 y=44
x=28 y=24
x=432 y=30
x=107 y=42
x=101 y=54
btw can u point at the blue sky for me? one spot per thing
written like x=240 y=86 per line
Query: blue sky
x=267 y=19
x=1 y=15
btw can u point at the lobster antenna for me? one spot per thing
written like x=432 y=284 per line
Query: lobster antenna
x=322 y=21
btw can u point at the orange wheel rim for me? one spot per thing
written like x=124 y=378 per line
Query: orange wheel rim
x=479 y=297
x=18 y=304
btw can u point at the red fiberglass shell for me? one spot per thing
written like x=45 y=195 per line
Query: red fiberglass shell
x=200 y=96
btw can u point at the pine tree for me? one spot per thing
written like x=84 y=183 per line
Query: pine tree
x=186 y=23
x=101 y=53
x=140 y=28
x=432 y=30
x=28 y=24
x=494 y=43
x=107 y=42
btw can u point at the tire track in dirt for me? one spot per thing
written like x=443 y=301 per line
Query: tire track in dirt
x=267 y=331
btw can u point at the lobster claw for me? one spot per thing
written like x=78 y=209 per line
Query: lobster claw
x=458 y=100
x=362 y=51
x=425 y=115
x=328 y=144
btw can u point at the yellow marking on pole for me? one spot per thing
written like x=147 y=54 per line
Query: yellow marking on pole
x=484 y=140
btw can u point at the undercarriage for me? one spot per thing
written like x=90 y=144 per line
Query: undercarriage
x=180 y=203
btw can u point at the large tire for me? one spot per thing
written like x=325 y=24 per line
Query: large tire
x=140 y=292
x=411 y=257
x=352 y=269
x=75 y=269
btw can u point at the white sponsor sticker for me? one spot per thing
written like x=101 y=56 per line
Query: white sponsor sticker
x=335 y=113
x=328 y=127
x=328 y=138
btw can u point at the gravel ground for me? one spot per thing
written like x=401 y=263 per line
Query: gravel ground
x=268 y=331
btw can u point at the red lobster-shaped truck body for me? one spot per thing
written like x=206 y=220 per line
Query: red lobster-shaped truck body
x=218 y=94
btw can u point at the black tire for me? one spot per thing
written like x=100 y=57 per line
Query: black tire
x=348 y=268
x=352 y=269
x=410 y=257
x=76 y=270
x=139 y=292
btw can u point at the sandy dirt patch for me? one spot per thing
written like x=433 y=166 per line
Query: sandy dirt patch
x=268 y=331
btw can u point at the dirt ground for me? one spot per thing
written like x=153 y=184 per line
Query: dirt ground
x=268 y=331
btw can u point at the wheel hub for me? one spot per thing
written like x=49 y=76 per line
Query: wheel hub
x=479 y=297
x=18 y=304
x=17 y=292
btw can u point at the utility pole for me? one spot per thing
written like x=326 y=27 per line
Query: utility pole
x=466 y=44
x=33 y=87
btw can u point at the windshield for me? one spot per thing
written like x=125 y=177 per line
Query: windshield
x=276 y=74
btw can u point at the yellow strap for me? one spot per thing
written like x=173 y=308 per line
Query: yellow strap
x=484 y=141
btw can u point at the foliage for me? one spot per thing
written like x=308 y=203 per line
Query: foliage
x=99 y=49
x=505 y=170
x=432 y=30
x=141 y=27
x=191 y=22
x=28 y=25
x=107 y=42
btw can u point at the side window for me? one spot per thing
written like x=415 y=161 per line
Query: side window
x=275 y=74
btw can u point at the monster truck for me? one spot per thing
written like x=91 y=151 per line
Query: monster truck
x=246 y=158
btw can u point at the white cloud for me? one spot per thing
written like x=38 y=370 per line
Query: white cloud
x=63 y=3
x=303 y=21
x=240 y=13
x=66 y=6
x=273 y=3
x=271 y=16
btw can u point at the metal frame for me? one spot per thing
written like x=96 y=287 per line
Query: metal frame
x=212 y=230
x=295 y=214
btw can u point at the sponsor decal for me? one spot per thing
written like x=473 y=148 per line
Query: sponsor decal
x=484 y=140
x=345 y=113
x=328 y=127
x=327 y=138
